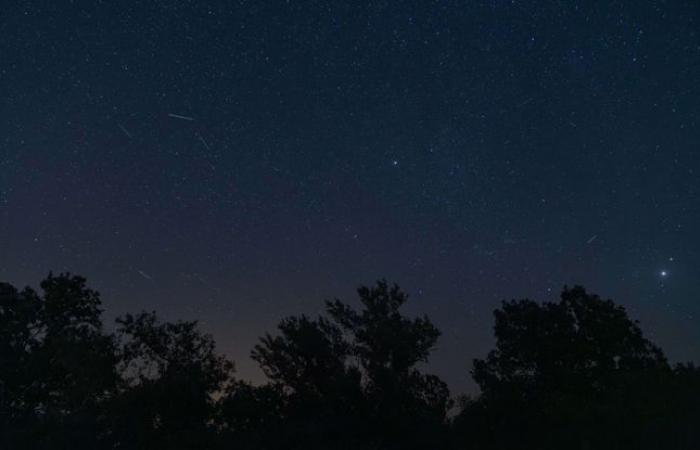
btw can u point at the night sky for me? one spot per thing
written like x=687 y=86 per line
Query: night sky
x=238 y=162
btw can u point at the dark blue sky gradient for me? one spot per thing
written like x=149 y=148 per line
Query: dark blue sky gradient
x=470 y=151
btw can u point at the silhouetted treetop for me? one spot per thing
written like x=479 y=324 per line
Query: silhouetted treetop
x=19 y=323
x=152 y=350
x=309 y=356
x=547 y=344
x=58 y=364
x=172 y=373
x=576 y=373
x=69 y=304
x=383 y=338
x=358 y=367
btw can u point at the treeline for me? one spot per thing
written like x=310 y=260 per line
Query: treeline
x=573 y=374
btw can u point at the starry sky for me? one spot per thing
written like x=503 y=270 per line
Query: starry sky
x=241 y=161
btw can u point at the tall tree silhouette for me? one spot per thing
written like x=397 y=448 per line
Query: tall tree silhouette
x=572 y=374
x=575 y=374
x=406 y=406
x=353 y=378
x=309 y=362
x=171 y=372
x=62 y=365
x=19 y=325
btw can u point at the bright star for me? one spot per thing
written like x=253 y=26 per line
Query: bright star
x=664 y=273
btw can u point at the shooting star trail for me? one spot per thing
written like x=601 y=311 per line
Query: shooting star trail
x=592 y=238
x=144 y=274
x=178 y=116
x=521 y=104
x=124 y=130
x=201 y=138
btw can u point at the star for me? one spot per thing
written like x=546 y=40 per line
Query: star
x=286 y=170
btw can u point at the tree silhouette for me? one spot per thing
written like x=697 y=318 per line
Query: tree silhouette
x=407 y=408
x=574 y=374
x=309 y=358
x=674 y=419
x=62 y=364
x=252 y=416
x=352 y=380
x=19 y=324
x=170 y=372
x=308 y=361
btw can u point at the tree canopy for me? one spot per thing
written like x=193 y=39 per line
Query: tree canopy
x=576 y=373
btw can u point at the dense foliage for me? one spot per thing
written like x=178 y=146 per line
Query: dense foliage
x=576 y=374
